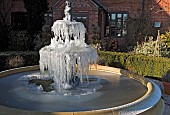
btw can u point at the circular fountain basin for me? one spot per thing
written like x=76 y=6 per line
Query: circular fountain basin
x=120 y=93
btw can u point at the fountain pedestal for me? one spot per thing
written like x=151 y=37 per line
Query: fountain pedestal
x=68 y=55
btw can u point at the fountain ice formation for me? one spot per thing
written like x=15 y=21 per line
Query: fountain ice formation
x=68 y=55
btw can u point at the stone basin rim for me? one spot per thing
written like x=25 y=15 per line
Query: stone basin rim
x=146 y=102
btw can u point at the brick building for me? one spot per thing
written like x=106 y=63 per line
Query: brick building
x=111 y=16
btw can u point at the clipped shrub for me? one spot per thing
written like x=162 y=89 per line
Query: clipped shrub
x=148 y=65
x=165 y=44
x=20 y=41
x=42 y=39
x=115 y=59
x=158 y=47
x=109 y=44
x=14 y=61
x=166 y=38
x=141 y=64
x=10 y=60
x=149 y=47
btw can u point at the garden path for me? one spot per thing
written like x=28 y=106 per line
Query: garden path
x=165 y=97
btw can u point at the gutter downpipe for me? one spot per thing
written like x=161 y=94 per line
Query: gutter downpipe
x=142 y=7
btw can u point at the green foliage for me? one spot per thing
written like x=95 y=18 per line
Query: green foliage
x=148 y=47
x=14 y=61
x=148 y=66
x=112 y=59
x=109 y=44
x=165 y=44
x=35 y=10
x=42 y=40
x=138 y=28
x=166 y=38
x=96 y=41
x=158 y=47
x=20 y=41
x=17 y=59
x=166 y=77
x=143 y=65
x=96 y=29
x=106 y=44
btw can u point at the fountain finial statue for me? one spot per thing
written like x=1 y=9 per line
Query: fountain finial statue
x=67 y=11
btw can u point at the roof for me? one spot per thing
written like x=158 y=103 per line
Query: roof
x=97 y=2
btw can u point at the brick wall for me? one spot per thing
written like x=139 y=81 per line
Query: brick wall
x=159 y=10
x=9 y=6
x=131 y=6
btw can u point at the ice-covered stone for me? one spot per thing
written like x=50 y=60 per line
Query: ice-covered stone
x=68 y=55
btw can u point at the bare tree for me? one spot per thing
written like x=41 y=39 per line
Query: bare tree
x=5 y=9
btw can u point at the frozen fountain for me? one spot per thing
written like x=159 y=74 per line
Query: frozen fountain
x=68 y=56
x=78 y=86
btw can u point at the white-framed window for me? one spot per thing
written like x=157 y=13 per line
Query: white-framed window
x=19 y=20
x=117 y=24
x=81 y=17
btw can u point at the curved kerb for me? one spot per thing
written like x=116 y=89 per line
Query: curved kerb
x=149 y=104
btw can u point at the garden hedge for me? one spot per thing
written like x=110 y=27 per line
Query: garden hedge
x=143 y=65
x=10 y=60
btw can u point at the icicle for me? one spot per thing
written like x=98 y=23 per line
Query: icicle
x=63 y=54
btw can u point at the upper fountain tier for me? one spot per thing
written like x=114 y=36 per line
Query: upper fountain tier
x=68 y=32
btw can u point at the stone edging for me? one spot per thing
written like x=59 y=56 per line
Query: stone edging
x=146 y=102
x=142 y=104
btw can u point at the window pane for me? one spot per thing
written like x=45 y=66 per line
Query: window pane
x=113 y=16
x=78 y=17
x=84 y=17
x=118 y=32
x=124 y=25
x=81 y=18
x=112 y=24
x=107 y=31
x=119 y=15
x=118 y=24
x=119 y=19
x=124 y=33
x=113 y=31
x=19 y=20
x=125 y=17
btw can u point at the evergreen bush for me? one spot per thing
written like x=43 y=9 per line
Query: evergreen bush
x=147 y=47
x=141 y=64
x=165 y=44
x=42 y=39
x=20 y=41
x=10 y=60
x=158 y=47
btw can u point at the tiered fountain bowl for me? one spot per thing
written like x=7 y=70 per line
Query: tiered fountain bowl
x=122 y=92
